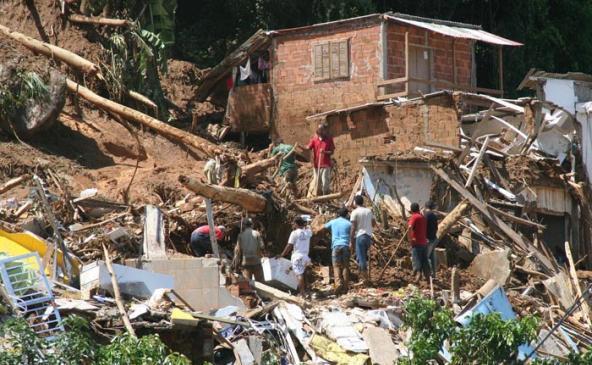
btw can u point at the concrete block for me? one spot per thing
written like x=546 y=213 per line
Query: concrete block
x=492 y=265
x=134 y=282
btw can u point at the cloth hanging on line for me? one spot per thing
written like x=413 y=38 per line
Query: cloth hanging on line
x=245 y=72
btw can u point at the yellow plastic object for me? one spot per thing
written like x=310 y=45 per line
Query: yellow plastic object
x=334 y=353
x=14 y=244
x=181 y=317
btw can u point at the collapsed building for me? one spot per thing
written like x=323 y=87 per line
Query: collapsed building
x=410 y=123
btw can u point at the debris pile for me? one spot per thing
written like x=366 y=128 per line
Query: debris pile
x=103 y=227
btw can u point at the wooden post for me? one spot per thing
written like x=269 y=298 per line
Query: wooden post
x=454 y=78
x=210 y=216
x=576 y=285
x=477 y=161
x=501 y=69
x=117 y=294
x=406 y=63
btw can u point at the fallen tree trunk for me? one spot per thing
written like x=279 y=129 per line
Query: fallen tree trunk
x=72 y=59
x=76 y=18
x=259 y=166
x=451 y=218
x=130 y=114
x=12 y=183
x=322 y=198
x=246 y=199
x=275 y=294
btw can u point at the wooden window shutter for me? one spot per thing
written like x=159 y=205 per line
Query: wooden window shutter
x=334 y=46
x=343 y=59
x=326 y=62
x=318 y=61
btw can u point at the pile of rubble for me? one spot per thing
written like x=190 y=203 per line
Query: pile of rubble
x=108 y=237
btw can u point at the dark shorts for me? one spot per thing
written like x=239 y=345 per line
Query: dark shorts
x=200 y=244
x=340 y=255
x=419 y=258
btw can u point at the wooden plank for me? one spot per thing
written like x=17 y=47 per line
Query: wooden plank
x=515 y=219
x=117 y=293
x=154 y=244
x=407 y=62
x=576 y=284
x=391 y=96
x=398 y=80
x=443 y=147
x=210 y=217
x=12 y=183
x=381 y=347
x=495 y=222
x=269 y=292
x=476 y=163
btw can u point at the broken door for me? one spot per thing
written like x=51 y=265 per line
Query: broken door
x=420 y=68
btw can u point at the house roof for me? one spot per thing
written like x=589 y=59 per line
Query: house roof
x=534 y=77
x=452 y=29
x=262 y=39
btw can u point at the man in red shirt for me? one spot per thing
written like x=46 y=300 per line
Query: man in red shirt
x=322 y=148
x=419 y=243
x=201 y=244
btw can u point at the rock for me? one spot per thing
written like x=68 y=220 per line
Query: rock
x=493 y=265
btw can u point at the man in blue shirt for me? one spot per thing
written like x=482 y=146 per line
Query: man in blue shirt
x=340 y=230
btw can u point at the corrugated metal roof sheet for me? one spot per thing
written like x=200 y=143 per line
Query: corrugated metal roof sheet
x=454 y=31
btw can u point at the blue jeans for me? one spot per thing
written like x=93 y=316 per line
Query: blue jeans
x=363 y=243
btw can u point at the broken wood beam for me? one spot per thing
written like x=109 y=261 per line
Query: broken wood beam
x=273 y=293
x=491 y=148
x=247 y=199
x=585 y=309
x=356 y=188
x=81 y=19
x=117 y=293
x=54 y=52
x=515 y=219
x=128 y=113
x=495 y=222
x=259 y=166
x=451 y=218
x=477 y=162
x=322 y=198
x=13 y=183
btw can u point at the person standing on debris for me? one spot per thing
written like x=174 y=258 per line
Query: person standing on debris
x=201 y=244
x=340 y=252
x=419 y=243
x=361 y=235
x=248 y=251
x=431 y=234
x=322 y=148
x=288 y=168
x=299 y=244
x=212 y=170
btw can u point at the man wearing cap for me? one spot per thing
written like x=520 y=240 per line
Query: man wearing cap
x=201 y=244
x=248 y=251
x=340 y=251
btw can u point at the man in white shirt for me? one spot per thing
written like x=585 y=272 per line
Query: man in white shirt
x=299 y=244
x=361 y=235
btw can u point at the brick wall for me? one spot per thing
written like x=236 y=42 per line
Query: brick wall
x=382 y=130
x=249 y=108
x=441 y=46
x=297 y=95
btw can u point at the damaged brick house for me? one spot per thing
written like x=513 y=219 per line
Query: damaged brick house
x=349 y=71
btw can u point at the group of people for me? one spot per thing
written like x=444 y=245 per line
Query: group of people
x=351 y=234
x=322 y=148
x=422 y=235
